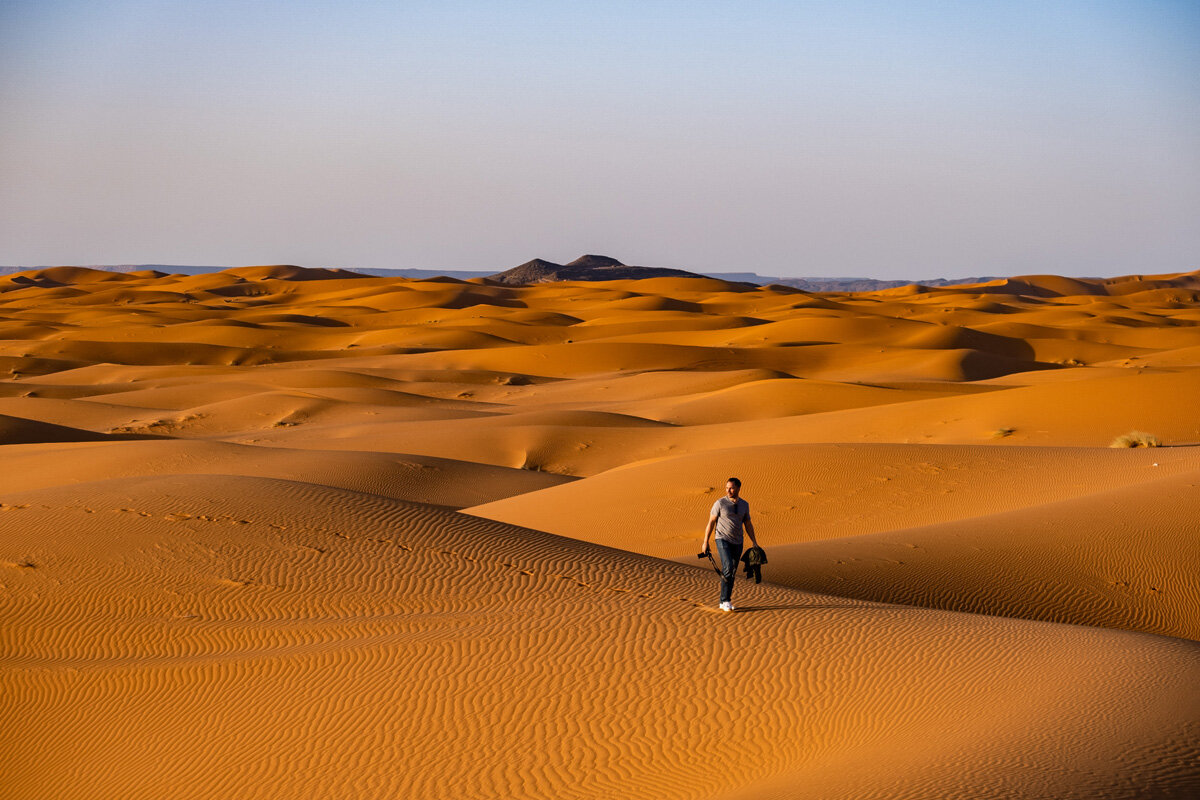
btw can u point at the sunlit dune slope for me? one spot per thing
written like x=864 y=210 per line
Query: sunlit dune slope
x=1077 y=410
x=216 y=635
x=803 y=493
x=1127 y=557
x=1093 y=537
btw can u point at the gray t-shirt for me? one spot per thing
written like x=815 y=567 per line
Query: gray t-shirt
x=731 y=516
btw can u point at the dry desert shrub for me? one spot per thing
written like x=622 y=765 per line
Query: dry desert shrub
x=1136 y=439
x=1001 y=433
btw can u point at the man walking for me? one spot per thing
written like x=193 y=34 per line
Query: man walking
x=729 y=515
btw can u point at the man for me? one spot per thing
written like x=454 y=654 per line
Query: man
x=729 y=515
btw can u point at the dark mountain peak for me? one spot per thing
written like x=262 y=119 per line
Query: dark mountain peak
x=592 y=262
x=539 y=270
x=540 y=264
x=584 y=268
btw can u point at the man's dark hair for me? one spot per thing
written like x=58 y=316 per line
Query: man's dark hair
x=735 y=482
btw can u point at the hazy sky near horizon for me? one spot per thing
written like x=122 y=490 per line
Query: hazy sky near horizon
x=882 y=139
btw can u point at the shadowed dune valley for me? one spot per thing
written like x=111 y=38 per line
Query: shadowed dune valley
x=280 y=532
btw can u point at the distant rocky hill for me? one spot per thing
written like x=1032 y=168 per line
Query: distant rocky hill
x=584 y=268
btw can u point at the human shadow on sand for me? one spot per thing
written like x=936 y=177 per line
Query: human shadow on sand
x=744 y=609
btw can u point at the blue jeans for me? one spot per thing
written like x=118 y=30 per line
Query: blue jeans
x=731 y=554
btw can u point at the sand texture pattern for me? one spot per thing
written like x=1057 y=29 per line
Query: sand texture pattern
x=277 y=532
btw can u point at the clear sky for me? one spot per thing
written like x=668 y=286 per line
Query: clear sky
x=882 y=139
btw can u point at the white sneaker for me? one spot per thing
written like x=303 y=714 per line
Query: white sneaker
x=726 y=606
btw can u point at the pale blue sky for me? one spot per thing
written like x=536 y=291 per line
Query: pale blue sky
x=886 y=139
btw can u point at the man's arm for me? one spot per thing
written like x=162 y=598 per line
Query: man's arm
x=708 y=529
x=749 y=526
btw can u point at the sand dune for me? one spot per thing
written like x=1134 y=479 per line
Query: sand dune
x=323 y=642
x=1126 y=558
x=1110 y=542
x=288 y=532
x=817 y=492
x=433 y=481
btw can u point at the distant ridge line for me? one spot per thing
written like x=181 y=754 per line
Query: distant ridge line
x=587 y=268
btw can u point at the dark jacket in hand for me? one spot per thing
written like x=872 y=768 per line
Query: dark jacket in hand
x=754 y=558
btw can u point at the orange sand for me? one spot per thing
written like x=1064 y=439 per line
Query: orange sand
x=277 y=532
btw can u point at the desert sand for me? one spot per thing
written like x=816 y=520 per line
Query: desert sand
x=283 y=532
